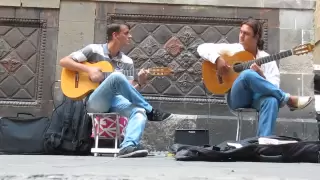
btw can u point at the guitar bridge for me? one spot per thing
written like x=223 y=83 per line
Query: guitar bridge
x=76 y=79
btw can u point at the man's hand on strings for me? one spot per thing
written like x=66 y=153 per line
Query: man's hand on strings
x=222 y=66
x=255 y=67
x=143 y=76
x=95 y=74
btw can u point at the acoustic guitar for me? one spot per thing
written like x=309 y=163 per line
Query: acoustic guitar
x=77 y=85
x=240 y=61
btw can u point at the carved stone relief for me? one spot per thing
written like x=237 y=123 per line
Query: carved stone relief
x=22 y=48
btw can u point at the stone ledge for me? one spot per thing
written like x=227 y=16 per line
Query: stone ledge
x=31 y=3
x=282 y=4
x=41 y=4
x=159 y=136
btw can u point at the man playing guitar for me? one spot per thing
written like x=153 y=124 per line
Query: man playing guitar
x=257 y=87
x=117 y=92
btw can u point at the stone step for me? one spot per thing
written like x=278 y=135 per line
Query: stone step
x=159 y=136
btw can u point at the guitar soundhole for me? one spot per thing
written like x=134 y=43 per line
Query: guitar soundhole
x=237 y=67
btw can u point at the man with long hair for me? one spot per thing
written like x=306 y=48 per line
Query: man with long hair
x=117 y=92
x=257 y=87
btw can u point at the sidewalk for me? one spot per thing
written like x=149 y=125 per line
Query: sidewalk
x=153 y=168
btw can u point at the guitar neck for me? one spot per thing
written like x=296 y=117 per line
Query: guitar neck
x=130 y=72
x=263 y=60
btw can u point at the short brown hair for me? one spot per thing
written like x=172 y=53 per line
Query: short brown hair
x=114 y=28
x=257 y=30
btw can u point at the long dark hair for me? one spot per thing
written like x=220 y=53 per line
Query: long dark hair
x=257 y=30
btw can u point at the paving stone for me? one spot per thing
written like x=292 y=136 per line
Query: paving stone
x=153 y=167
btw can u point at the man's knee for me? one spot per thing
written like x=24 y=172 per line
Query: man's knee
x=248 y=74
x=139 y=114
x=117 y=76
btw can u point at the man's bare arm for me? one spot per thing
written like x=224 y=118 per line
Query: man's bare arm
x=68 y=63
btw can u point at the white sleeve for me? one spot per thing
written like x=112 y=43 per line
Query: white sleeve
x=211 y=51
x=272 y=73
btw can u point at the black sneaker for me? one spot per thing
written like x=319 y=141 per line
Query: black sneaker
x=133 y=151
x=156 y=115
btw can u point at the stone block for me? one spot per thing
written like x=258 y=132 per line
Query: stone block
x=291 y=83
x=7 y=12
x=206 y=11
x=272 y=15
x=73 y=36
x=273 y=40
x=296 y=84
x=316 y=56
x=58 y=69
x=297 y=64
x=52 y=17
x=124 y=8
x=287 y=19
x=58 y=95
x=29 y=13
x=193 y=108
x=304 y=19
x=159 y=135
x=242 y=12
x=304 y=4
x=51 y=50
x=41 y=4
x=290 y=4
x=77 y=11
x=102 y=8
x=308 y=36
x=296 y=19
x=290 y=38
x=304 y=129
x=307 y=85
x=247 y=3
x=15 y=3
x=100 y=31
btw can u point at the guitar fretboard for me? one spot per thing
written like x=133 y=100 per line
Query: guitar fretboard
x=126 y=72
x=242 y=66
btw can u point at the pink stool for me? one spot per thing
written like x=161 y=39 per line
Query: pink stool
x=107 y=126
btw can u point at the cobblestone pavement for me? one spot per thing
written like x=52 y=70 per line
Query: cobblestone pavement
x=14 y=167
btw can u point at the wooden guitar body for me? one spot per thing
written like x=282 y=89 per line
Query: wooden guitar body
x=221 y=85
x=77 y=85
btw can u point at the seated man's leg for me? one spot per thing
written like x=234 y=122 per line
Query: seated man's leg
x=268 y=108
x=240 y=96
x=252 y=82
x=130 y=147
x=115 y=84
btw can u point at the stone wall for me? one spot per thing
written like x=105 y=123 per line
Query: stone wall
x=289 y=23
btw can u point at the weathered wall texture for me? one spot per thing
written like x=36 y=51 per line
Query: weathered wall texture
x=288 y=23
x=27 y=58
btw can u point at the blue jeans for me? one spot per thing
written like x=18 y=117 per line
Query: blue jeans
x=116 y=94
x=250 y=90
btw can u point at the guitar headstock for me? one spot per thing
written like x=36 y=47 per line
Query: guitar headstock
x=160 y=71
x=303 y=49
